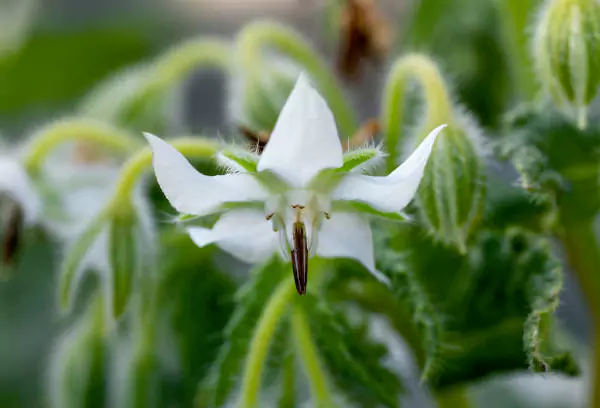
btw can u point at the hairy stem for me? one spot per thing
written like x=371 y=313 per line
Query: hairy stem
x=583 y=254
x=261 y=341
x=69 y=130
x=435 y=95
x=317 y=379
x=256 y=35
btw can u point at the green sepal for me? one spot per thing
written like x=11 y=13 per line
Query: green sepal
x=244 y=158
x=359 y=157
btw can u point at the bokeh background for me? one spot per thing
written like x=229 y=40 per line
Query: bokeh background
x=52 y=52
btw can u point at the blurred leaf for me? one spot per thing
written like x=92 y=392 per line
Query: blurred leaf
x=555 y=158
x=509 y=205
x=198 y=297
x=353 y=359
x=217 y=387
x=53 y=67
x=123 y=258
x=508 y=282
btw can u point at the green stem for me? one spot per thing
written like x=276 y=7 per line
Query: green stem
x=515 y=15
x=288 y=387
x=69 y=130
x=454 y=397
x=261 y=340
x=141 y=161
x=436 y=97
x=182 y=60
x=583 y=254
x=256 y=35
x=307 y=351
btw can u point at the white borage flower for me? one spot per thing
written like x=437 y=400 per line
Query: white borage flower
x=298 y=198
x=16 y=185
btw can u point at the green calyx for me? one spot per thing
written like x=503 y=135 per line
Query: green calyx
x=567 y=53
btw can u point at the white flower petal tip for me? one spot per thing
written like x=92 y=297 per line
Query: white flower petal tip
x=192 y=192
x=393 y=192
x=305 y=138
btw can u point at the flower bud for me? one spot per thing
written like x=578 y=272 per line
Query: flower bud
x=567 y=53
x=450 y=197
x=130 y=252
x=76 y=368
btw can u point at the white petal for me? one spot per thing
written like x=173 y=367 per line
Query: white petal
x=393 y=192
x=348 y=235
x=304 y=140
x=16 y=184
x=245 y=234
x=191 y=192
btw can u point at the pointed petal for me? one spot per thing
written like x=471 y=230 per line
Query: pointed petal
x=347 y=235
x=393 y=192
x=245 y=234
x=192 y=192
x=305 y=139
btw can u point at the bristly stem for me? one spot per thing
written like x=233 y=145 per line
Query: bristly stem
x=255 y=36
x=70 y=130
x=307 y=352
x=182 y=60
x=583 y=254
x=435 y=95
x=276 y=306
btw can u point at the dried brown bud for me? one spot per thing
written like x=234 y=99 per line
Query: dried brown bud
x=365 y=134
x=364 y=34
x=11 y=234
x=258 y=140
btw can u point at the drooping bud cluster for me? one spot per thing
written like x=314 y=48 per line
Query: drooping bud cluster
x=567 y=53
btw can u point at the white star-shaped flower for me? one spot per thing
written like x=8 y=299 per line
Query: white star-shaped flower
x=298 y=198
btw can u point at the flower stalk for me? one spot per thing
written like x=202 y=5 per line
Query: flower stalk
x=80 y=130
x=315 y=374
x=436 y=97
x=276 y=307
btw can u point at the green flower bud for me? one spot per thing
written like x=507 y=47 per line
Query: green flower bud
x=76 y=374
x=567 y=53
x=450 y=197
x=130 y=252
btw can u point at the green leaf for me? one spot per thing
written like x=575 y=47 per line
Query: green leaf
x=244 y=158
x=218 y=386
x=359 y=157
x=482 y=302
x=351 y=356
x=98 y=51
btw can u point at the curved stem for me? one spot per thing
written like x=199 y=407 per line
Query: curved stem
x=140 y=162
x=256 y=35
x=180 y=61
x=583 y=254
x=436 y=97
x=455 y=397
x=68 y=130
x=261 y=340
x=307 y=351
